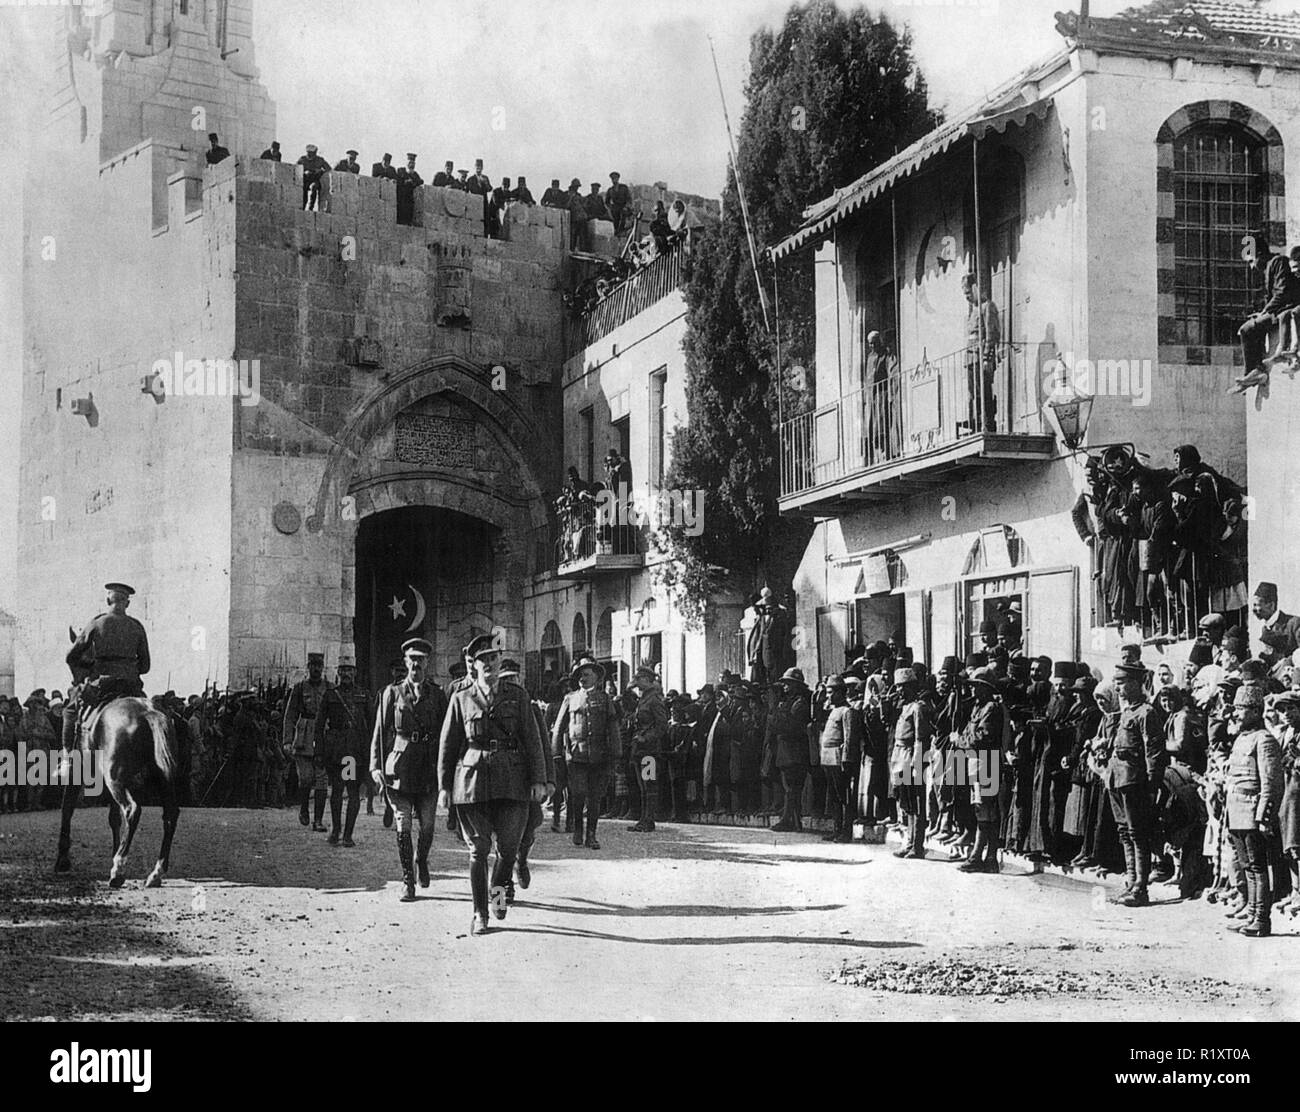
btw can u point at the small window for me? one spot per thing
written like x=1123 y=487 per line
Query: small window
x=659 y=426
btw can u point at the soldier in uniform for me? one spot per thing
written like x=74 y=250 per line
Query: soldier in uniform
x=1134 y=776
x=348 y=165
x=536 y=816
x=216 y=152
x=1255 y=783
x=649 y=729
x=384 y=169
x=980 y=741
x=403 y=759
x=446 y=177
x=343 y=736
x=272 y=153
x=913 y=732
x=618 y=200
x=587 y=738
x=490 y=765
x=300 y=732
x=111 y=654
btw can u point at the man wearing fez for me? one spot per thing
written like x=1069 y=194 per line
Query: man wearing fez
x=403 y=759
x=445 y=177
x=913 y=732
x=490 y=766
x=300 y=731
x=1134 y=776
x=343 y=738
x=587 y=738
x=408 y=181
x=1281 y=632
x=521 y=194
x=384 y=169
x=555 y=197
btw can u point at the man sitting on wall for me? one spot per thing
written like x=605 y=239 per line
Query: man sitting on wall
x=1282 y=290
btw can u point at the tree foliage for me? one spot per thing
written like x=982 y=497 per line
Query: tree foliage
x=830 y=95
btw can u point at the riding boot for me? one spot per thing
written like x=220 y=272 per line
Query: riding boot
x=478 y=885
x=304 y=802
x=336 y=813
x=405 y=856
x=319 y=810
x=1261 y=920
x=350 y=820
x=591 y=842
x=1141 y=875
x=422 y=847
x=574 y=816
x=649 y=805
x=1130 y=868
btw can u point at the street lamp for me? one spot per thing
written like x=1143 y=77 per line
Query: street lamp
x=1071 y=412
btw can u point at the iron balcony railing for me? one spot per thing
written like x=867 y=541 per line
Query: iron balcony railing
x=647 y=286
x=911 y=412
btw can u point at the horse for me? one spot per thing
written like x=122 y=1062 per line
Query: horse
x=134 y=743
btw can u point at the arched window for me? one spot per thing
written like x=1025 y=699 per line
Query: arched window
x=579 y=634
x=998 y=548
x=1220 y=183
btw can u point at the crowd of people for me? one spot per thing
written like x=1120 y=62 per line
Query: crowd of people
x=584 y=529
x=1170 y=545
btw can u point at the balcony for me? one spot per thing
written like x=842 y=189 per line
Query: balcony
x=620 y=303
x=930 y=426
x=585 y=550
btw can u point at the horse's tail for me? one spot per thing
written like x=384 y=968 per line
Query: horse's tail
x=163 y=753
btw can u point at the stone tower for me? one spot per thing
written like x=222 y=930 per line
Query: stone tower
x=385 y=476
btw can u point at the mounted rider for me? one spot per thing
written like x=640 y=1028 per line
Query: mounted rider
x=112 y=653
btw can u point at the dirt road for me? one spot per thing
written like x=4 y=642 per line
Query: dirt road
x=261 y=919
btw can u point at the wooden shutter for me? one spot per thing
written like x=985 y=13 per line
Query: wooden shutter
x=832 y=636
x=1051 y=622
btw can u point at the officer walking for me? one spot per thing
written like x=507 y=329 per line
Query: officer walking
x=300 y=731
x=490 y=767
x=649 y=729
x=112 y=653
x=510 y=674
x=586 y=737
x=1134 y=776
x=344 y=738
x=403 y=759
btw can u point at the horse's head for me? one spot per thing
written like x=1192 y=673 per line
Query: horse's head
x=79 y=671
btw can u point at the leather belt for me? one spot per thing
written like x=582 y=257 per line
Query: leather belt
x=492 y=745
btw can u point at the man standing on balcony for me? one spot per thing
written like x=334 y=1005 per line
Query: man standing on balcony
x=878 y=405
x=618 y=473
x=983 y=335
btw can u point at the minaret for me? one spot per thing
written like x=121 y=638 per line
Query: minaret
x=167 y=70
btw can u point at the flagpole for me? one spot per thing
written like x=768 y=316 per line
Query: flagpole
x=740 y=188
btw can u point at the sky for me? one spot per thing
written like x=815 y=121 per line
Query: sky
x=547 y=88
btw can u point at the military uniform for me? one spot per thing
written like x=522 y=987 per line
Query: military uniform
x=1254 y=783
x=313 y=169
x=980 y=744
x=1134 y=775
x=587 y=738
x=107 y=661
x=536 y=816
x=489 y=757
x=300 y=731
x=344 y=737
x=348 y=165
x=649 y=731
x=384 y=170
x=913 y=732
x=408 y=723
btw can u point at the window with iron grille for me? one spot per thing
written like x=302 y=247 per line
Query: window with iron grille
x=1219 y=189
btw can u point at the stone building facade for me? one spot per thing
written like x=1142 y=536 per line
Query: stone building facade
x=290 y=430
x=1076 y=192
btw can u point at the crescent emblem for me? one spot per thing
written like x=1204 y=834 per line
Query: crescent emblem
x=419 y=611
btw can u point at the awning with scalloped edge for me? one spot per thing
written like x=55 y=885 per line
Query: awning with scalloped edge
x=844 y=202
